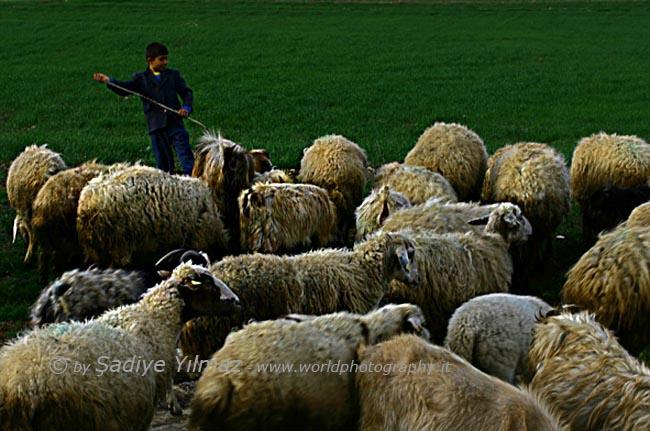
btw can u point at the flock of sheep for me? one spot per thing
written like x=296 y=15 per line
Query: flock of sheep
x=243 y=263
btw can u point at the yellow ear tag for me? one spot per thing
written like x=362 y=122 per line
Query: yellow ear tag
x=408 y=267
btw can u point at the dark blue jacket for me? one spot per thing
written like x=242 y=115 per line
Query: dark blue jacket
x=166 y=91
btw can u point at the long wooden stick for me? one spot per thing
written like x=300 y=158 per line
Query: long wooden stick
x=155 y=102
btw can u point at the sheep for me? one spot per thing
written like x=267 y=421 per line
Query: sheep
x=316 y=282
x=312 y=397
x=585 y=377
x=457 y=266
x=261 y=160
x=340 y=166
x=227 y=168
x=640 y=216
x=408 y=384
x=285 y=217
x=107 y=373
x=27 y=174
x=439 y=217
x=534 y=176
x=602 y=160
x=278 y=176
x=608 y=207
x=54 y=220
x=493 y=332
x=84 y=294
x=375 y=208
x=612 y=279
x=126 y=218
x=418 y=184
x=456 y=153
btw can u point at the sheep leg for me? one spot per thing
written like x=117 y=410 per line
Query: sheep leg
x=172 y=402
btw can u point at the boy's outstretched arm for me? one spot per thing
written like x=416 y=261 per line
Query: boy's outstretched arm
x=100 y=77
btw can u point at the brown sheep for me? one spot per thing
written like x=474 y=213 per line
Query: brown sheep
x=407 y=384
x=456 y=153
x=585 y=377
x=340 y=166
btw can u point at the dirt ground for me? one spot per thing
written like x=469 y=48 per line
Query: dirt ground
x=163 y=420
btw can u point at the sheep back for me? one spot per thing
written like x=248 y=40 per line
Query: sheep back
x=340 y=166
x=27 y=174
x=134 y=215
x=35 y=396
x=408 y=384
x=608 y=159
x=417 y=183
x=585 y=377
x=439 y=217
x=54 y=220
x=612 y=279
x=640 y=216
x=83 y=294
x=285 y=217
x=456 y=153
x=493 y=332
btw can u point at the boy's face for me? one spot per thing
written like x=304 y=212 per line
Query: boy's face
x=158 y=64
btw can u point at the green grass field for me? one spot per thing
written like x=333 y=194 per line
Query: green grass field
x=278 y=75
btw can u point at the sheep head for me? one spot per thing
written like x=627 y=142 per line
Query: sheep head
x=202 y=292
x=400 y=261
x=395 y=319
x=508 y=221
x=261 y=160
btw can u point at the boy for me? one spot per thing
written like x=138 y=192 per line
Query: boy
x=165 y=127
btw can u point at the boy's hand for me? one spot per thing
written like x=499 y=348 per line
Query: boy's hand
x=100 y=77
x=183 y=113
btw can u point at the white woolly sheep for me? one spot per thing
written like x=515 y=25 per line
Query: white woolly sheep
x=283 y=218
x=586 y=378
x=602 y=160
x=612 y=279
x=375 y=208
x=456 y=153
x=27 y=174
x=307 y=399
x=439 y=217
x=408 y=384
x=457 y=266
x=640 y=216
x=317 y=282
x=84 y=294
x=132 y=216
x=340 y=166
x=417 y=183
x=227 y=168
x=40 y=388
x=493 y=332
x=54 y=220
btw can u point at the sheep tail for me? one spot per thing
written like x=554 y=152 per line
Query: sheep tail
x=210 y=407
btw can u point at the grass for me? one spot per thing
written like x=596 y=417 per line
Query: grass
x=277 y=75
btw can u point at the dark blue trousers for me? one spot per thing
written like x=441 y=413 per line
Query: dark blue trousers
x=163 y=140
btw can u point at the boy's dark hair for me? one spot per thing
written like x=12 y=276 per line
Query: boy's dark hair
x=155 y=49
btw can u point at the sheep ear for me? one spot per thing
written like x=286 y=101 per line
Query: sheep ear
x=479 y=221
x=415 y=323
x=385 y=212
x=196 y=257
